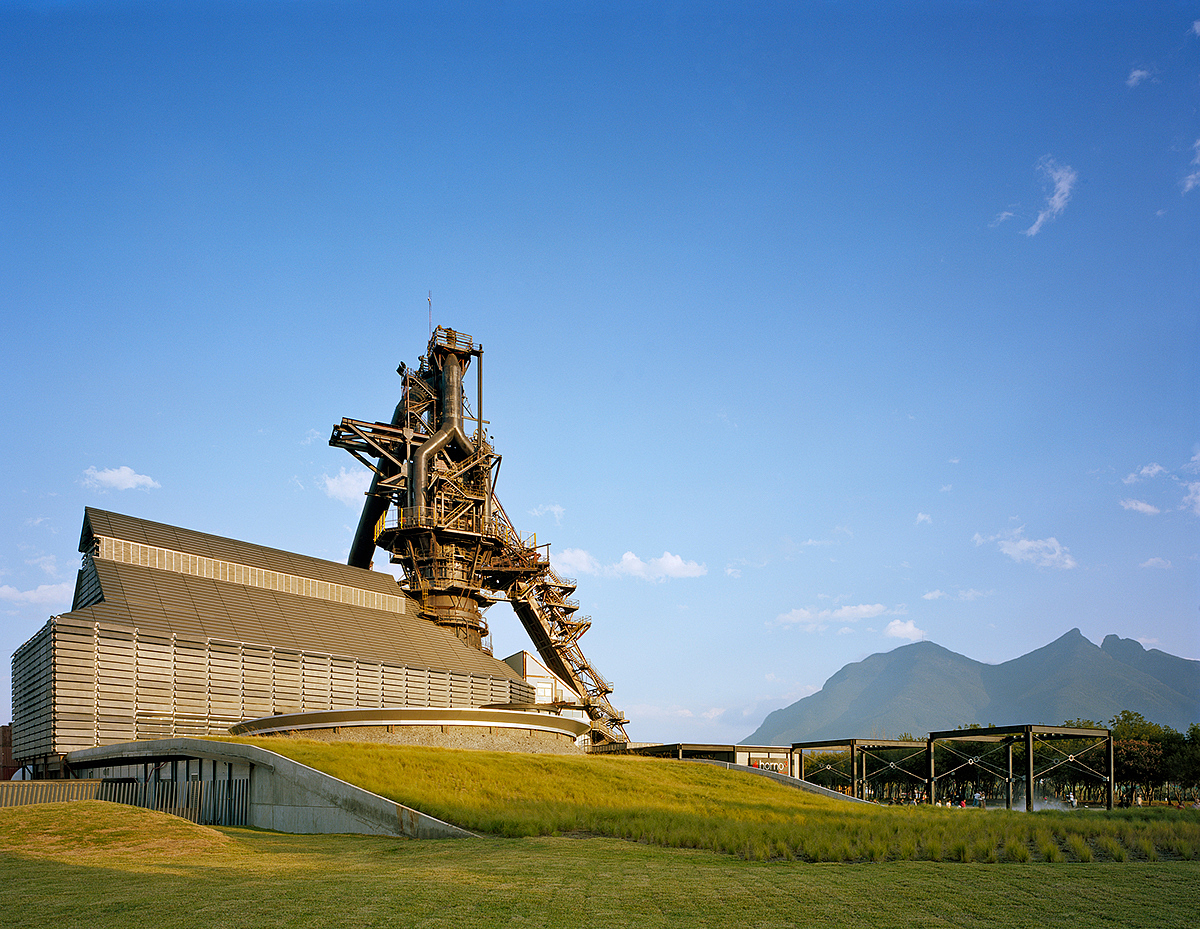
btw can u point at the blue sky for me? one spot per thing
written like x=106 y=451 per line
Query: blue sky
x=810 y=329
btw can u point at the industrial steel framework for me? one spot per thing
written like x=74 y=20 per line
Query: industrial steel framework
x=432 y=506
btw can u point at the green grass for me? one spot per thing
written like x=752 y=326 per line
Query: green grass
x=683 y=805
x=98 y=866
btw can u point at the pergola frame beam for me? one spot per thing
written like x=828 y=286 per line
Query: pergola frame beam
x=1008 y=735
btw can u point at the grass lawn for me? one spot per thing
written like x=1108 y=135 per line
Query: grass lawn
x=97 y=865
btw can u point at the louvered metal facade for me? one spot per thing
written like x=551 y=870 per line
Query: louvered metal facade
x=177 y=633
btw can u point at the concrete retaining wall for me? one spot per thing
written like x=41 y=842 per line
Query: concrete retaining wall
x=783 y=779
x=285 y=796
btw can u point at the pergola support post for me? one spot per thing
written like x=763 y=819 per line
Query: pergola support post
x=1008 y=780
x=1112 y=785
x=1028 y=770
x=930 y=776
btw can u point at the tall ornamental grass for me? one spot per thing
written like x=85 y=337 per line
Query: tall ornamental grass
x=685 y=805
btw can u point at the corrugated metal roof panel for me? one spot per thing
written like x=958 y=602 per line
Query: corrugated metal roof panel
x=120 y=526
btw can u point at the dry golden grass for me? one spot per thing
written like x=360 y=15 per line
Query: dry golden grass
x=96 y=832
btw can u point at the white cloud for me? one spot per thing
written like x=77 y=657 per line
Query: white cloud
x=804 y=620
x=1155 y=563
x=973 y=594
x=1000 y=217
x=347 y=486
x=924 y=518
x=1136 y=76
x=48 y=563
x=1192 y=181
x=1146 y=471
x=1064 y=178
x=1192 y=500
x=1196 y=27
x=1045 y=553
x=572 y=561
x=845 y=630
x=733 y=572
x=904 y=630
x=807 y=620
x=309 y=437
x=575 y=561
x=1193 y=466
x=1141 y=506
x=40 y=596
x=122 y=478
x=545 y=508
x=946 y=488
x=656 y=569
x=861 y=611
x=935 y=595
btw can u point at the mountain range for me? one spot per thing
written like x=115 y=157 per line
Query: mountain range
x=922 y=688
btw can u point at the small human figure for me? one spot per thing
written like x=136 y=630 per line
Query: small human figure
x=1071 y=797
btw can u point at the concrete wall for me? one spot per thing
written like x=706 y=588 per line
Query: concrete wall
x=285 y=796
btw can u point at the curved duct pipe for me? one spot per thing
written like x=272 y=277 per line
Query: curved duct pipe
x=449 y=430
x=363 y=548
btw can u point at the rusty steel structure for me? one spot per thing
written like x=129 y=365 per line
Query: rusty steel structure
x=432 y=506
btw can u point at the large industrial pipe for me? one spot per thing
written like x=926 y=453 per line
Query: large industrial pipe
x=363 y=548
x=450 y=429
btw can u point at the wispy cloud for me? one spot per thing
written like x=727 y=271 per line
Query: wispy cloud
x=309 y=437
x=577 y=561
x=656 y=569
x=924 y=518
x=1192 y=181
x=347 y=486
x=545 y=508
x=904 y=630
x=1001 y=217
x=1192 y=500
x=1063 y=177
x=44 y=595
x=1136 y=76
x=1141 y=506
x=965 y=595
x=1146 y=471
x=1155 y=563
x=574 y=561
x=48 y=564
x=809 y=620
x=1045 y=553
x=122 y=478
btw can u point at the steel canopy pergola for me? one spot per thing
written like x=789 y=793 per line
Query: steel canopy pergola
x=1000 y=737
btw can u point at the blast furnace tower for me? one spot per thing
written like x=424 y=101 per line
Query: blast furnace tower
x=432 y=507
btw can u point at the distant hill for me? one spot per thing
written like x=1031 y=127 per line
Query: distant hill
x=922 y=688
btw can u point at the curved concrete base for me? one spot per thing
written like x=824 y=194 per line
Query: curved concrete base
x=490 y=728
x=284 y=795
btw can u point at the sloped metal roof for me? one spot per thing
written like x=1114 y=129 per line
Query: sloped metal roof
x=165 y=602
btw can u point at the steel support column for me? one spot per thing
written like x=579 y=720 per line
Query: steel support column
x=1008 y=780
x=930 y=776
x=1112 y=785
x=1028 y=770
